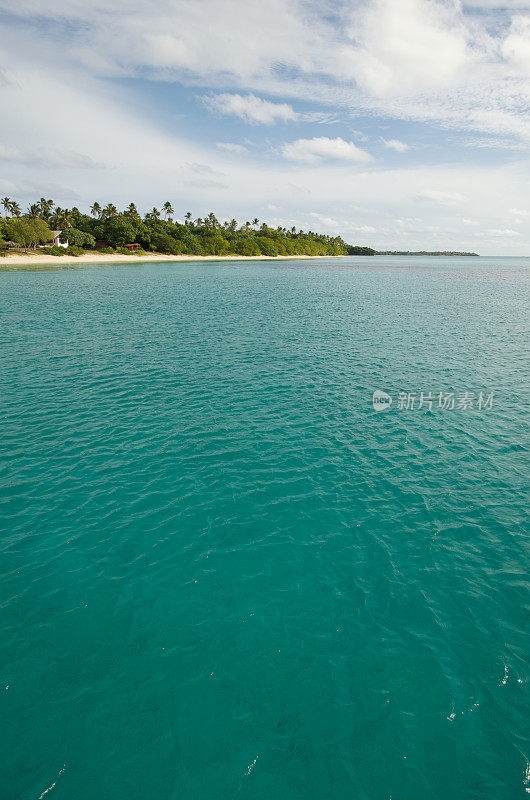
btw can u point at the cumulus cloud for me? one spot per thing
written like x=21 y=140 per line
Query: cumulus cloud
x=250 y=109
x=321 y=147
x=395 y=144
x=405 y=45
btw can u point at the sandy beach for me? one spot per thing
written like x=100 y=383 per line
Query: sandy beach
x=18 y=260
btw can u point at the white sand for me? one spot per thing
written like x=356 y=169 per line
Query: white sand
x=40 y=260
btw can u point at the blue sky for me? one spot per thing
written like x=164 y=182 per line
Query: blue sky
x=395 y=123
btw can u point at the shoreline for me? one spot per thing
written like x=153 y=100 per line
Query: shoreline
x=37 y=260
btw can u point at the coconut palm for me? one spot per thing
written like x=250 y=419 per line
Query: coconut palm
x=6 y=202
x=131 y=211
x=55 y=218
x=95 y=209
x=168 y=210
x=212 y=221
x=15 y=209
x=187 y=217
x=255 y=222
x=155 y=213
x=34 y=211
x=46 y=207
x=66 y=218
x=110 y=210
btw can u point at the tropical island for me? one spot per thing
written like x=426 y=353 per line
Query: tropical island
x=51 y=230
x=46 y=229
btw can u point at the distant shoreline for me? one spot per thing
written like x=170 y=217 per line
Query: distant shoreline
x=437 y=253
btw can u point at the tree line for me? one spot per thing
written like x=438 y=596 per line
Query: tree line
x=107 y=229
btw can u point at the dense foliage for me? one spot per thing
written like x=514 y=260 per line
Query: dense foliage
x=106 y=227
x=25 y=231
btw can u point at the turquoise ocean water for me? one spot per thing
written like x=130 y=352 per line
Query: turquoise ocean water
x=223 y=573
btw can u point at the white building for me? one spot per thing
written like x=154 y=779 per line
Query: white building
x=56 y=243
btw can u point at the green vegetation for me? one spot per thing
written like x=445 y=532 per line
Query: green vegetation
x=108 y=229
x=63 y=251
x=25 y=231
x=360 y=251
x=77 y=238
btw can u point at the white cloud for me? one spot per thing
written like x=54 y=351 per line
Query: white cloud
x=501 y=232
x=405 y=45
x=338 y=226
x=231 y=147
x=441 y=198
x=250 y=108
x=321 y=147
x=426 y=60
x=520 y=212
x=395 y=144
x=516 y=46
x=329 y=222
x=47 y=156
x=361 y=228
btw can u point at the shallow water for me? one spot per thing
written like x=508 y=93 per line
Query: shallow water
x=224 y=574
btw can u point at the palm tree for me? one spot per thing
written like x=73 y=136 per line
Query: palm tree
x=110 y=210
x=255 y=222
x=95 y=209
x=46 y=207
x=34 y=210
x=15 y=209
x=212 y=221
x=131 y=211
x=6 y=202
x=66 y=218
x=155 y=213
x=187 y=217
x=168 y=209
